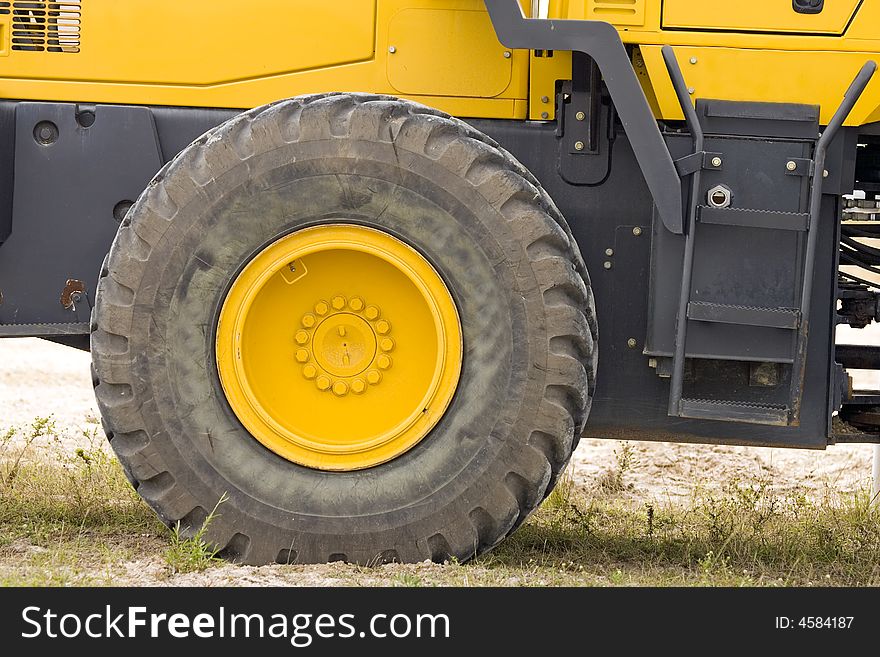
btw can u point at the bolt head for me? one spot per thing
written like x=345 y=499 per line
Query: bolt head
x=356 y=304
x=358 y=386
x=322 y=308
x=386 y=344
x=506 y=54
x=302 y=355
x=383 y=361
x=545 y=99
x=716 y=162
x=607 y=265
x=609 y=252
x=694 y=60
x=340 y=388
x=632 y=343
x=637 y=231
x=382 y=327
x=301 y=337
x=791 y=165
x=545 y=115
x=372 y=312
x=825 y=173
x=578 y=145
x=691 y=91
x=310 y=372
x=580 y=116
x=373 y=377
x=308 y=320
x=392 y=49
x=323 y=383
x=338 y=303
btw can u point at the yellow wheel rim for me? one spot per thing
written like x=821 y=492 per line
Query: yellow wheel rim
x=339 y=347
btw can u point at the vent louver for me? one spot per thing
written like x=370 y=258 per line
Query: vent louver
x=45 y=26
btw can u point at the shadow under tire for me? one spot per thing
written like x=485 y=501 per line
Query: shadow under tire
x=482 y=221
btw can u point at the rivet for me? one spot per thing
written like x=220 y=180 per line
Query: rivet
x=356 y=304
x=382 y=327
x=383 y=361
x=694 y=60
x=609 y=252
x=358 y=386
x=373 y=377
x=386 y=344
x=340 y=388
x=580 y=116
x=637 y=231
x=371 y=312
x=545 y=115
x=545 y=99
x=310 y=371
x=825 y=173
x=506 y=54
x=338 y=303
x=392 y=49
x=578 y=145
x=323 y=383
x=607 y=265
x=691 y=91
x=716 y=162
x=322 y=308
x=791 y=165
x=308 y=320
x=301 y=337
x=302 y=355
x=631 y=343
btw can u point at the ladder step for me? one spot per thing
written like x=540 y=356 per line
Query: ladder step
x=731 y=411
x=782 y=318
x=746 y=218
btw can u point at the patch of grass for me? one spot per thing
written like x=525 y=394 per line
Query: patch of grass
x=188 y=551
x=613 y=480
x=745 y=536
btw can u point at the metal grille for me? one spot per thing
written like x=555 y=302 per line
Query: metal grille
x=45 y=26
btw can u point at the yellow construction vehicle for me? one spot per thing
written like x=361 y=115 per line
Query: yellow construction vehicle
x=331 y=258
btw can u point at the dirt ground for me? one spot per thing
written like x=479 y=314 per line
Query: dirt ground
x=39 y=379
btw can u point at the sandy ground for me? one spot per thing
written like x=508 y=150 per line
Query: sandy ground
x=38 y=379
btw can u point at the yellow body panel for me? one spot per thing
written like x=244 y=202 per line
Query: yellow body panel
x=243 y=53
x=758 y=16
x=800 y=61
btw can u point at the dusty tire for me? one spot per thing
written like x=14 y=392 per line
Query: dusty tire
x=466 y=205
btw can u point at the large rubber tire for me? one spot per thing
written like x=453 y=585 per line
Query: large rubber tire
x=470 y=208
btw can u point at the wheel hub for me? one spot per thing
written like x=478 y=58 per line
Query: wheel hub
x=371 y=363
x=344 y=346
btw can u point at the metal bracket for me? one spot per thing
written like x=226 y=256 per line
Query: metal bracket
x=802 y=167
x=601 y=41
x=703 y=160
x=72 y=293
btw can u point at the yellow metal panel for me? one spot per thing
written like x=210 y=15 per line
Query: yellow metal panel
x=757 y=15
x=816 y=78
x=203 y=43
x=545 y=71
x=448 y=53
x=617 y=12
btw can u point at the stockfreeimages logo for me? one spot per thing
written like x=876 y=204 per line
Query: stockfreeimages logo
x=301 y=630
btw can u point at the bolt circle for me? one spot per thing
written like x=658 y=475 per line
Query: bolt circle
x=301 y=337
x=340 y=388
x=323 y=383
x=338 y=303
x=302 y=355
x=372 y=312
